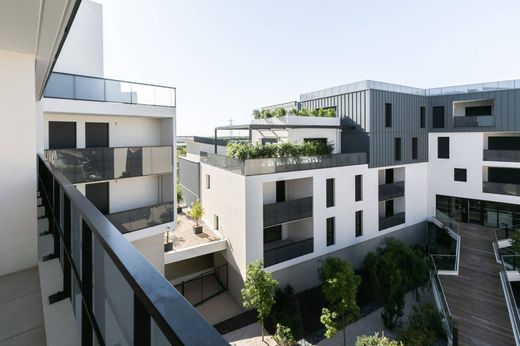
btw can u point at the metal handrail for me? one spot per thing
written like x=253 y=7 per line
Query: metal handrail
x=444 y=307
x=511 y=303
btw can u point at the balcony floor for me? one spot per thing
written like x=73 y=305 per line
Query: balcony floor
x=183 y=236
x=475 y=296
x=21 y=313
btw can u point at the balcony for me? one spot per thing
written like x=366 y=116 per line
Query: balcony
x=84 y=88
x=140 y=218
x=97 y=164
x=501 y=188
x=391 y=191
x=391 y=221
x=282 y=212
x=502 y=155
x=474 y=121
x=283 y=164
x=284 y=250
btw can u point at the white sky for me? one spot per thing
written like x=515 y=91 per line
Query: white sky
x=228 y=57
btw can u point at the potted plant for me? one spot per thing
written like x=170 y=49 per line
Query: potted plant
x=169 y=245
x=179 y=199
x=196 y=213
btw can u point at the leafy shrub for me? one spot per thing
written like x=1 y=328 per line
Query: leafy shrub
x=269 y=113
x=284 y=336
x=319 y=112
x=376 y=340
x=424 y=326
x=286 y=311
x=244 y=151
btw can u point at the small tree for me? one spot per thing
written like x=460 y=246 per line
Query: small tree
x=196 y=211
x=515 y=241
x=284 y=336
x=179 y=194
x=424 y=327
x=258 y=291
x=339 y=289
x=376 y=340
x=286 y=311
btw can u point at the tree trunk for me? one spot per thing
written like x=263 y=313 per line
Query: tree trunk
x=344 y=332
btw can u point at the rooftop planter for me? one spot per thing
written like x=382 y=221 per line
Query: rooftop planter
x=246 y=151
x=282 y=112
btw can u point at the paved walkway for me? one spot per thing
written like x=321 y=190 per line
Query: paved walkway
x=475 y=296
x=21 y=315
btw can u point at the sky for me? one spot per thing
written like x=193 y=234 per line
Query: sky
x=229 y=57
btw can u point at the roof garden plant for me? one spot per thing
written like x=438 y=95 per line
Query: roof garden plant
x=329 y=112
x=245 y=151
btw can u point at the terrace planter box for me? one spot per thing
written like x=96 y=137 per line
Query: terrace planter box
x=197 y=229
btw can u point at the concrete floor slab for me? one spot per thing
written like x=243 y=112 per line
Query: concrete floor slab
x=220 y=308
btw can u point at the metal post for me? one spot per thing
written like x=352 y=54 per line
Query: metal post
x=142 y=328
x=86 y=283
x=215 y=144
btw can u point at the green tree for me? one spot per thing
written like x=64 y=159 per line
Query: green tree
x=196 y=211
x=339 y=288
x=258 y=291
x=376 y=340
x=179 y=194
x=424 y=326
x=286 y=311
x=284 y=336
x=515 y=241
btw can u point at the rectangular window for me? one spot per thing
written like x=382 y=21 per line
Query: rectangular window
x=460 y=174
x=269 y=140
x=359 y=223
x=438 y=117
x=330 y=231
x=359 y=187
x=388 y=115
x=397 y=149
x=208 y=181
x=443 y=147
x=280 y=191
x=423 y=117
x=216 y=222
x=473 y=111
x=330 y=193
x=414 y=148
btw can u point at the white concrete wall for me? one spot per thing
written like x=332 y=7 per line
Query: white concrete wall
x=150 y=248
x=82 y=52
x=193 y=150
x=18 y=233
x=466 y=151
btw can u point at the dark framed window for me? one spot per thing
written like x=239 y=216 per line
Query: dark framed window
x=397 y=149
x=359 y=187
x=443 y=147
x=473 y=111
x=216 y=222
x=208 y=181
x=62 y=135
x=269 y=140
x=388 y=115
x=414 y=148
x=359 y=223
x=272 y=233
x=460 y=174
x=423 y=117
x=438 y=117
x=330 y=192
x=280 y=191
x=330 y=231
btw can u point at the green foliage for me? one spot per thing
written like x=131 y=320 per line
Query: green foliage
x=284 y=336
x=339 y=289
x=181 y=151
x=245 y=151
x=269 y=113
x=319 y=112
x=196 y=211
x=286 y=311
x=377 y=340
x=424 y=327
x=258 y=291
x=515 y=241
x=179 y=194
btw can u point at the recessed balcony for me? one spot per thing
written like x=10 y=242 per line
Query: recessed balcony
x=283 y=250
x=501 y=188
x=391 y=221
x=390 y=191
x=474 y=121
x=140 y=218
x=287 y=211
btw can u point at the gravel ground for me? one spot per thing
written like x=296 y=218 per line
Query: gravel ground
x=249 y=335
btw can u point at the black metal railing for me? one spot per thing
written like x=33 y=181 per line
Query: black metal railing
x=474 y=121
x=205 y=286
x=391 y=221
x=511 y=263
x=288 y=251
x=282 y=212
x=96 y=164
x=501 y=188
x=88 y=88
x=502 y=155
x=390 y=191
x=139 y=218
x=116 y=294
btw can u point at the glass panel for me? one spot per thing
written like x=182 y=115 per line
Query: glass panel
x=113 y=299
x=60 y=85
x=164 y=96
x=117 y=91
x=505 y=218
x=157 y=336
x=491 y=217
x=143 y=94
x=76 y=239
x=76 y=303
x=89 y=88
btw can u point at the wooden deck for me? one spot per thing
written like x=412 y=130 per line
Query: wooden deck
x=475 y=296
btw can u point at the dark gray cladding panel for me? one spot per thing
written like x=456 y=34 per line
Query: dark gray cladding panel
x=353 y=108
x=506 y=110
x=189 y=175
x=406 y=111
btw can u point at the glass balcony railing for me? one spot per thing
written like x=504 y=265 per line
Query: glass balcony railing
x=390 y=191
x=283 y=164
x=391 y=221
x=85 y=88
x=501 y=188
x=474 y=121
x=140 y=218
x=287 y=250
x=97 y=164
x=282 y=212
x=441 y=301
x=445 y=262
x=502 y=155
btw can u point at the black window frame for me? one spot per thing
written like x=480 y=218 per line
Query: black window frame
x=216 y=222
x=438 y=115
x=359 y=223
x=208 y=181
x=460 y=174
x=388 y=115
x=330 y=198
x=358 y=181
x=398 y=149
x=422 y=117
x=443 y=147
x=415 y=148
x=331 y=233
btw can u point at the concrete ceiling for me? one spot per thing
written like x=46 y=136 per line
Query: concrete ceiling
x=19 y=22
